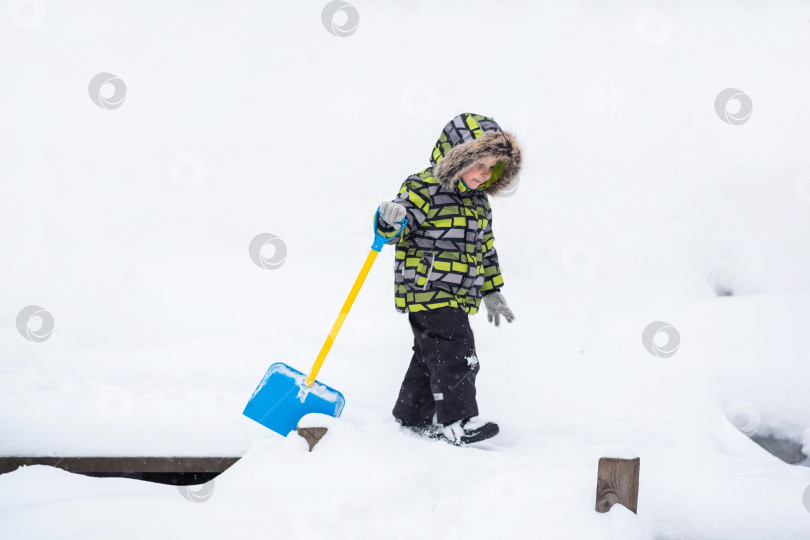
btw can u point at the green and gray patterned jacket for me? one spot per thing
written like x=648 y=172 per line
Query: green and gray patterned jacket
x=445 y=255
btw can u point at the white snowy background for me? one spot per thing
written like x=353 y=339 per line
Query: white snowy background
x=637 y=203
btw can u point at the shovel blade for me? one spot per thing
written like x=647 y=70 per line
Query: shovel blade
x=282 y=399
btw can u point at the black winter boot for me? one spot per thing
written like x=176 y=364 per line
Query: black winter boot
x=429 y=431
x=470 y=430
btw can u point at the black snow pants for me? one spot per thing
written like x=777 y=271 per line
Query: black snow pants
x=441 y=376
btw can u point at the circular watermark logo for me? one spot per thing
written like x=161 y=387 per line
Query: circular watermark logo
x=656 y=332
x=114 y=403
x=107 y=90
x=258 y=247
x=581 y=259
x=28 y=14
x=187 y=171
x=199 y=493
x=802 y=186
x=340 y=18
x=420 y=98
x=743 y=417
x=733 y=106
x=653 y=25
x=806 y=498
x=27 y=325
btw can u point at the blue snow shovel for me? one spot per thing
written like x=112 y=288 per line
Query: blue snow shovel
x=286 y=395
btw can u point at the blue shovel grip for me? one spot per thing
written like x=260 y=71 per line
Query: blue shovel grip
x=380 y=240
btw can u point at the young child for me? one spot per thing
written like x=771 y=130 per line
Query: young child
x=445 y=263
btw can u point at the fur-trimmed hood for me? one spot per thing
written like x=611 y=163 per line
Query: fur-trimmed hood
x=468 y=138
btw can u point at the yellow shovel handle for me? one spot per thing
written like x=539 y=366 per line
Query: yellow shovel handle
x=344 y=311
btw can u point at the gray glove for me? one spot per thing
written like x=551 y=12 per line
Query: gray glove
x=392 y=213
x=496 y=306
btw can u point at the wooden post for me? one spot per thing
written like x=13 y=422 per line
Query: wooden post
x=617 y=482
x=311 y=434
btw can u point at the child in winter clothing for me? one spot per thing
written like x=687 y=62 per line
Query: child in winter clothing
x=445 y=264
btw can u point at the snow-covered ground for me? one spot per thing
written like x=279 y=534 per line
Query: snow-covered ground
x=131 y=227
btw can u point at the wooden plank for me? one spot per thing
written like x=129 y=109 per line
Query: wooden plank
x=617 y=482
x=151 y=464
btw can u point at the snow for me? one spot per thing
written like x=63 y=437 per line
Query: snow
x=637 y=205
x=299 y=379
x=317 y=420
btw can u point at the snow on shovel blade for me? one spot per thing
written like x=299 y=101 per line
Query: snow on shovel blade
x=282 y=399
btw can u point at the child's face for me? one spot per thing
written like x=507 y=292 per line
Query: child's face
x=480 y=172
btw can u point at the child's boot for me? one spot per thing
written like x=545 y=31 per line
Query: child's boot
x=470 y=430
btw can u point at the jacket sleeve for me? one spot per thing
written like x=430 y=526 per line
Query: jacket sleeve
x=493 y=280
x=414 y=195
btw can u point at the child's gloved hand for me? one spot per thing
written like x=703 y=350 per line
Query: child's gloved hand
x=496 y=306
x=392 y=213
